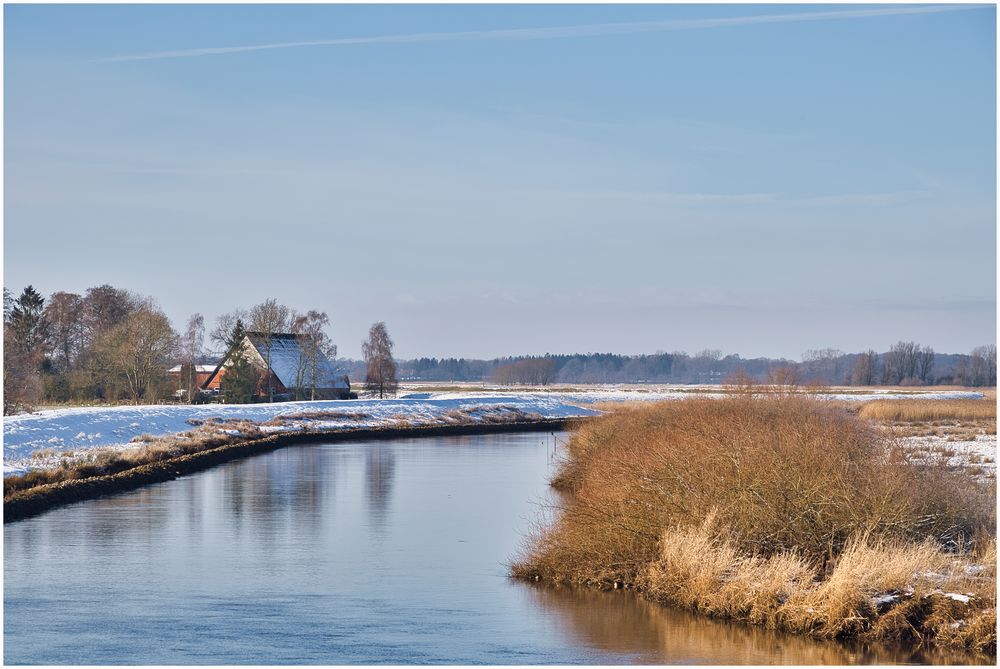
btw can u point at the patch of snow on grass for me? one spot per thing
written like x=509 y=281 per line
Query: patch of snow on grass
x=93 y=427
x=980 y=452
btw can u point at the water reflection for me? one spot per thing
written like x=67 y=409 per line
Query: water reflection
x=380 y=466
x=263 y=489
x=622 y=622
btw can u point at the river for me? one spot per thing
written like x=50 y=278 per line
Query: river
x=367 y=552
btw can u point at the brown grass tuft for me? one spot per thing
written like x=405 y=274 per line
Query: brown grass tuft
x=842 y=604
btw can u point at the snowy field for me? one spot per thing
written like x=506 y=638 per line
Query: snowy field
x=89 y=427
x=584 y=394
x=73 y=429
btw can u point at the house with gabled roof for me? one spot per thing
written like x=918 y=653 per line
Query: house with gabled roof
x=294 y=372
x=202 y=374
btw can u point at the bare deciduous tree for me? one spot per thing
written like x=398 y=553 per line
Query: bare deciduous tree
x=786 y=376
x=380 y=374
x=821 y=366
x=64 y=313
x=103 y=308
x=314 y=346
x=139 y=349
x=22 y=385
x=225 y=325
x=925 y=364
x=900 y=363
x=192 y=345
x=982 y=368
x=865 y=369
x=268 y=319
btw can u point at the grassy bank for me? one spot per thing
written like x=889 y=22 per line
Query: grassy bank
x=166 y=458
x=777 y=511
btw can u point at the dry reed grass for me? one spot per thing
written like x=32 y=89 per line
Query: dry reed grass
x=919 y=410
x=281 y=419
x=875 y=589
x=812 y=513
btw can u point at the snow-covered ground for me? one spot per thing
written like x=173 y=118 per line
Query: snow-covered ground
x=90 y=427
x=978 y=453
x=74 y=429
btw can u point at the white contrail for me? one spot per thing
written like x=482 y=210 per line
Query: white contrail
x=586 y=30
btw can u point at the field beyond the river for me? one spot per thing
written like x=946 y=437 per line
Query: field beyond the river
x=59 y=436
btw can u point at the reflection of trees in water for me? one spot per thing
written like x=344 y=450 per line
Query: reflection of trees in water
x=380 y=466
x=110 y=521
x=309 y=483
x=622 y=622
x=232 y=495
x=262 y=490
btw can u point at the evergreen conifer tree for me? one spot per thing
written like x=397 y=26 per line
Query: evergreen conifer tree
x=26 y=322
x=239 y=383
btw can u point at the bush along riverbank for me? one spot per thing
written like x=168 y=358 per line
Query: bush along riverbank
x=783 y=512
x=102 y=472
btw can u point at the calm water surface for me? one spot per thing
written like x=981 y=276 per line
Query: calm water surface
x=377 y=552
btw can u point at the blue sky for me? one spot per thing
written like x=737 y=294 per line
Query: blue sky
x=762 y=187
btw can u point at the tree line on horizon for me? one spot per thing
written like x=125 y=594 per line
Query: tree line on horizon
x=110 y=344
x=906 y=363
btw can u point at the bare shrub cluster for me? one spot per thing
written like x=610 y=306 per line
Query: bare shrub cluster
x=795 y=489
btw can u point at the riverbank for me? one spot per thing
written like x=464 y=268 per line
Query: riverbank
x=34 y=499
x=782 y=512
x=44 y=439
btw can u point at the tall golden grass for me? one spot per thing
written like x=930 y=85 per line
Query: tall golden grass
x=875 y=589
x=780 y=511
x=912 y=410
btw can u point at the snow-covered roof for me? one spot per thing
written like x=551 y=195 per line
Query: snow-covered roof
x=285 y=355
x=200 y=369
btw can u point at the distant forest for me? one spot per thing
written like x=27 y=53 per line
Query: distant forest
x=906 y=363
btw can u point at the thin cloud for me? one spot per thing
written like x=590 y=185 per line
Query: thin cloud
x=586 y=30
x=775 y=199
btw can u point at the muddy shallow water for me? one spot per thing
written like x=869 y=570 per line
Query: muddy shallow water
x=369 y=552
